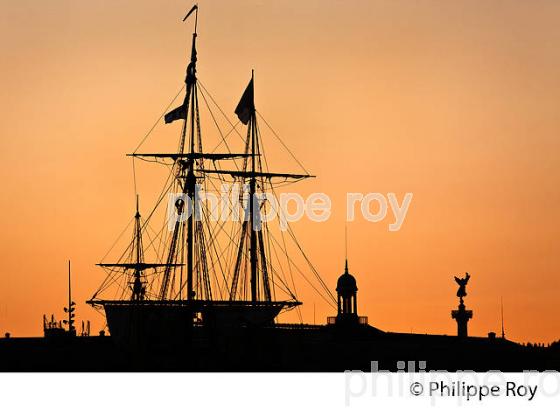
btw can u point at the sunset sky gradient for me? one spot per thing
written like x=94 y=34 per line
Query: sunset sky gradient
x=454 y=101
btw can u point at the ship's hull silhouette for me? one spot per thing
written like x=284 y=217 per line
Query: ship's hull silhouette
x=171 y=322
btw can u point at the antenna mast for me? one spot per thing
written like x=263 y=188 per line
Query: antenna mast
x=70 y=325
x=502 y=311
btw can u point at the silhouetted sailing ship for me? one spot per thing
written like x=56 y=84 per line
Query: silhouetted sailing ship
x=179 y=293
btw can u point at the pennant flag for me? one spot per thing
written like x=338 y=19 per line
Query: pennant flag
x=179 y=113
x=195 y=7
x=246 y=106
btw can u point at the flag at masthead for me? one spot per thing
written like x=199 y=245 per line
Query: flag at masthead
x=246 y=106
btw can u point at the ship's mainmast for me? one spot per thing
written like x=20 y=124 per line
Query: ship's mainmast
x=188 y=162
x=185 y=175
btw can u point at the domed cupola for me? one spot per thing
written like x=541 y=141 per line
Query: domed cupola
x=346 y=283
x=347 y=290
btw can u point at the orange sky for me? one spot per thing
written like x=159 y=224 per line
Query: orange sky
x=456 y=102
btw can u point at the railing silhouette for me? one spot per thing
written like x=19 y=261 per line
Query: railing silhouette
x=362 y=320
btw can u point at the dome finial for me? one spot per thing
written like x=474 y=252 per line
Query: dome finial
x=346 y=248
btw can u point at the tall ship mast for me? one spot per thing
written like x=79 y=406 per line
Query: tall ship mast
x=194 y=280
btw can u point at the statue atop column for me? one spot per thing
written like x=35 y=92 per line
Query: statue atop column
x=461 y=314
x=462 y=282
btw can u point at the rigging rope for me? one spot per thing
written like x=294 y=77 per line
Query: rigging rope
x=282 y=142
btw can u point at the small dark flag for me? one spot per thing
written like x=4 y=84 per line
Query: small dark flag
x=179 y=113
x=246 y=106
x=195 y=7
